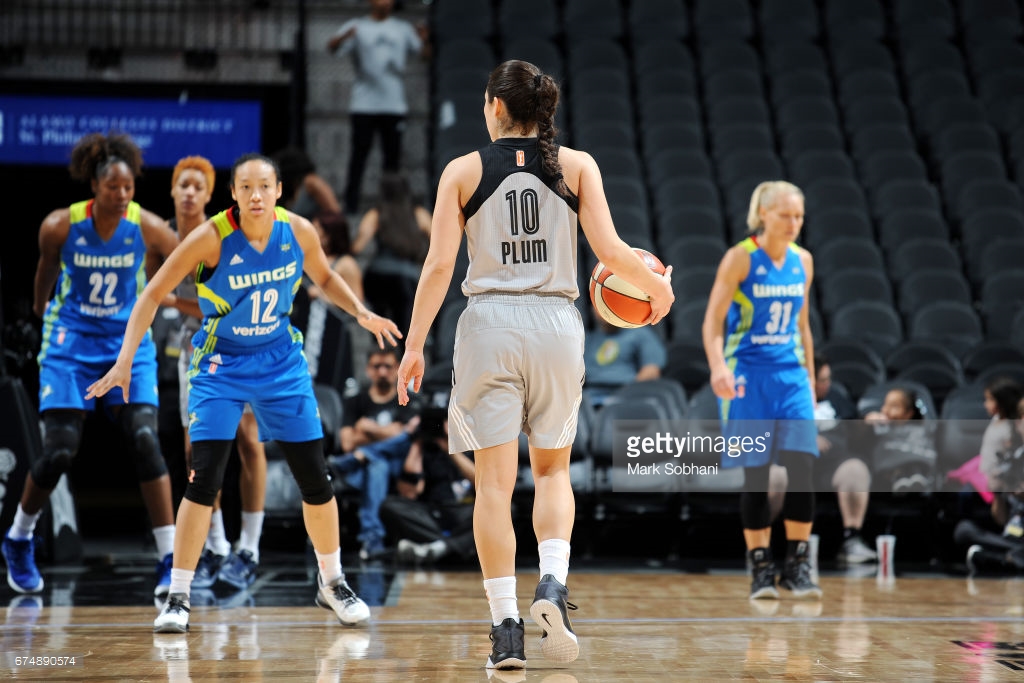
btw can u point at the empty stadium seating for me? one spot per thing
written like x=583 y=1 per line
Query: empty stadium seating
x=895 y=117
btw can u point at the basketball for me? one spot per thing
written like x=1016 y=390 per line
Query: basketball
x=618 y=302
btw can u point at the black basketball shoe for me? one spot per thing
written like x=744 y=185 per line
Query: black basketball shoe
x=550 y=611
x=797 y=576
x=762 y=583
x=507 y=650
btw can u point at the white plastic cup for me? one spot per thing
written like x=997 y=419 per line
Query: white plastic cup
x=885 y=546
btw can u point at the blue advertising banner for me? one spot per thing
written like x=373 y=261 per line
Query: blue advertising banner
x=43 y=129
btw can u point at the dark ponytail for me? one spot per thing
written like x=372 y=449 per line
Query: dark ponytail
x=531 y=98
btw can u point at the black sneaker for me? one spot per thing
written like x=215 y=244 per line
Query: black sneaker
x=796 y=574
x=507 y=651
x=762 y=569
x=549 y=610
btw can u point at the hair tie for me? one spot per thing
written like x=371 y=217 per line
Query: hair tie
x=536 y=80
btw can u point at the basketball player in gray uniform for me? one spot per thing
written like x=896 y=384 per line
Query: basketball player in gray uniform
x=519 y=344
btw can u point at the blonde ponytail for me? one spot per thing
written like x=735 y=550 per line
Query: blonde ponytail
x=765 y=195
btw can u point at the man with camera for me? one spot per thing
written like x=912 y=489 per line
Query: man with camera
x=432 y=515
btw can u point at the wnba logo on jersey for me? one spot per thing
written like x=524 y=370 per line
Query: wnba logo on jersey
x=741 y=386
x=520 y=158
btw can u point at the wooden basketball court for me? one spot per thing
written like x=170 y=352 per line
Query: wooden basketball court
x=633 y=626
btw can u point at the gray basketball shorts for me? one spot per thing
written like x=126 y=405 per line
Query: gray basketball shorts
x=518 y=368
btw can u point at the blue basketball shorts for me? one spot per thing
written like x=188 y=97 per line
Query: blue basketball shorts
x=274 y=381
x=70 y=361
x=775 y=409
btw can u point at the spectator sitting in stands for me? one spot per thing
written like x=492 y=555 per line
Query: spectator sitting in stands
x=432 y=515
x=1001 y=398
x=328 y=332
x=371 y=418
x=616 y=356
x=334 y=237
x=401 y=229
x=990 y=551
x=369 y=470
x=844 y=472
x=904 y=450
x=837 y=469
x=998 y=450
x=303 y=191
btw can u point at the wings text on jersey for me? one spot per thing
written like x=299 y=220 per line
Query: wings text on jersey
x=251 y=279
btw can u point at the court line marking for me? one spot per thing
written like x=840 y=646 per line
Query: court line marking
x=621 y=622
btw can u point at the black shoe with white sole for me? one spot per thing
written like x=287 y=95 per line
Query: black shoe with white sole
x=550 y=611
x=507 y=650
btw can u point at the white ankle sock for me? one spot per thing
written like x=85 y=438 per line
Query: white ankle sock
x=164 y=537
x=330 y=566
x=181 y=581
x=24 y=524
x=501 y=596
x=554 y=558
x=216 y=539
x=252 y=527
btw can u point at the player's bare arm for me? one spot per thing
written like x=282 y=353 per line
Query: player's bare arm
x=732 y=271
x=334 y=286
x=582 y=172
x=52 y=234
x=459 y=180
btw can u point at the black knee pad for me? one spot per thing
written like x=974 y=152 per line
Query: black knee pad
x=799 y=506
x=799 y=469
x=62 y=434
x=755 y=512
x=308 y=466
x=139 y=423
x=209 y=459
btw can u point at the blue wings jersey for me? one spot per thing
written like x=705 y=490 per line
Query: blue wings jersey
x=761 y=326
x=99 y=280
x=247 y=298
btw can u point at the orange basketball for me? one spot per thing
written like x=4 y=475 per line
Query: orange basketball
x=617 y=301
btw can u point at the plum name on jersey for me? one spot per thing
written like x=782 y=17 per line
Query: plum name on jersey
x=762 y=291
x=528 y=251
x=263 y=276
x=255 y=330
x=115 y=261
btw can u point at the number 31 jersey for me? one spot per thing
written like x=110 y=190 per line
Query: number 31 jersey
x=761 y=327
x=520 y=229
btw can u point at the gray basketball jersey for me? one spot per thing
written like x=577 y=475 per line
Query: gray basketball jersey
x=520 y=230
